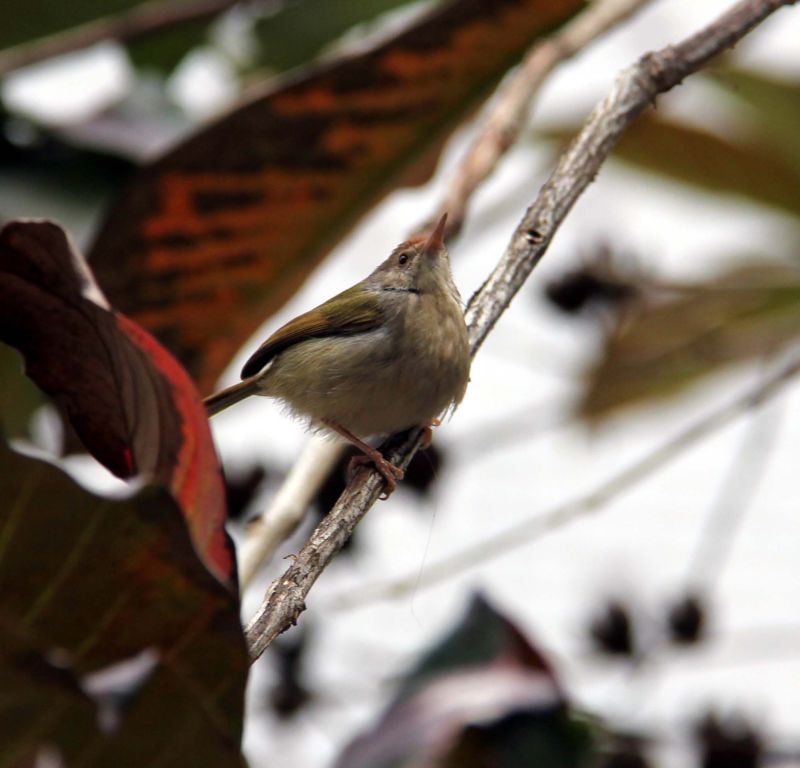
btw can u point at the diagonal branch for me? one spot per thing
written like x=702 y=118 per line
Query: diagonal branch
x=504 y=122
x=533 y=528
x=509 y=111
x=634 y=90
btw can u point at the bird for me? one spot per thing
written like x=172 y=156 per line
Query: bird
x=389 y=353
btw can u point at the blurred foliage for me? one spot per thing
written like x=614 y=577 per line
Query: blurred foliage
x=44 y=173
x=662 y=342
x=24 y=21
x=665 y=343
x=298 y=31
x=162 y=50
x=774 y=105
x=483 y=696
x=757 y=168
x=19 y=398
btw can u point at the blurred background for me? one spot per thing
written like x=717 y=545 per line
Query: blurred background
x=669 y=609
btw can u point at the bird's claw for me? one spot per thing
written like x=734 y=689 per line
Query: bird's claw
x=391 y=474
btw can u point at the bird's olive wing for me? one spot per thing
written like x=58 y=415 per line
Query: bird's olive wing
x=355 y=310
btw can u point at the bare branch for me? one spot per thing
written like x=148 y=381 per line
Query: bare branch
x=504 y=123
x=635 y=89
x=137 y=22
x=535 y=527
x=509 y=110
x=288 y=508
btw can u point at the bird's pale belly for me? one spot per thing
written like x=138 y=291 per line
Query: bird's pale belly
x=358 y=382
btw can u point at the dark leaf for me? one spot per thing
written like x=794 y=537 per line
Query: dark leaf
x=483 y=637
x=521 y=740
x=24 y=21
x=87 y=583
x=296 y=32
x=482 y=697
x=131 y=403
x=289 y=694
x=730 y=742
x=599 y=282
x=686 y=620
x=217 y=234
x=611 y=631
x=241 y=488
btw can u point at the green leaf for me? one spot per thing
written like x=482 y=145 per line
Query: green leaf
x=661 y=347
x=19 y=398
x=163 y=49
x=24 y=21
x=299 y=30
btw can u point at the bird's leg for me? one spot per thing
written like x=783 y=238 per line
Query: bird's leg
x=427 y=432
x=391 y=473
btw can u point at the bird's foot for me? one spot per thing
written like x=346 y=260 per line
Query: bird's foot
x=391 y=473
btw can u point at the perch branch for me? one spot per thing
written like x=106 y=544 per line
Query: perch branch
x=503 y=125
x=634 y=90
x=288 y=508
x=535 y=527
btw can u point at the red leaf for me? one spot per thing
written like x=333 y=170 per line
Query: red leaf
x=129 y=400
x=89 y=585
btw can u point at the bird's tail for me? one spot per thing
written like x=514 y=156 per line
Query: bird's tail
x=219 y=401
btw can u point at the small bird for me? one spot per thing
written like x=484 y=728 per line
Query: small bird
x=387 y=354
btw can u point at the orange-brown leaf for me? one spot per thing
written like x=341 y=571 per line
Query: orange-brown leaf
x=217 y=234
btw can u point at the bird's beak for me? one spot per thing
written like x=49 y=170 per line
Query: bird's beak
x=435 y=241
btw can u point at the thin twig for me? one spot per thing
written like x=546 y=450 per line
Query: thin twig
x=509 y=110
x=634 y=90
x=288 y=508
x=123 y=27
x=740 y=484
x=535 y=527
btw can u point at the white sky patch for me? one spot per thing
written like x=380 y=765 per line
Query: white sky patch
x=56 y=91
x=204 y=83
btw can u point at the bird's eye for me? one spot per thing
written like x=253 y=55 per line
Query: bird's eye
x=402 y=259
